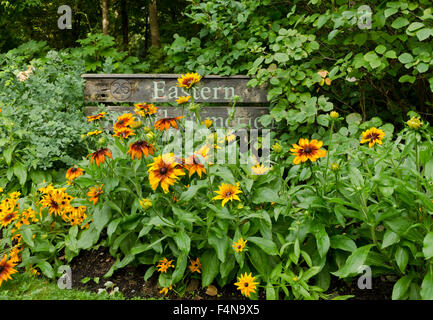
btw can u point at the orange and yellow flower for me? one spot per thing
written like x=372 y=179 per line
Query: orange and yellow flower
x=138 y=148
x=183 y=99
x=188 y=80
x=124 y=133
x=240 y=245
x=307 y=150
x=94 y=133
x=164 y=264
x=246 y=284
x=57 y=202
x=372 y=136
x=227 y=192
x=94 y=193
x=164 y=171
x=195 y=266
x=123 y=121
x=99 y=156
x=259 y=169
x=166 y=123
x=73 y=173
x=96 y=117
x=6 y=269
x=145 y=109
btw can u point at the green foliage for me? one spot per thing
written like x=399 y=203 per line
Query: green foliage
x=383 y=66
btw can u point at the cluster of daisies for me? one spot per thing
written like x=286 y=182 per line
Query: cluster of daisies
x=58 y=203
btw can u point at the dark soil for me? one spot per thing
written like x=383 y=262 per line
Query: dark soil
x=381 y=288
x=130 y=281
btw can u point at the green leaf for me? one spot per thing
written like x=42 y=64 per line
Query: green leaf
x=101 y=216
x=183 y=241
x=281 y=57
x=7 y=153
x=427 y=286
x=27 y=234
x=405 y=58
x=192 y=191
x=266 y=245
x=427 y=248
x=389 y=239
x=181 y=264
x=210 y=267
x=407 y=78
x=402 y=258
x=428 y=170
x=424 y=33
x=401 y=287
x=220 y=245
x=380 y=49
x=149 y=273
x=20 y=172
x=322 y=241
x=46 y=269
x=400 y=22
x=266 y=195
x=354 y=262
x=343 y=242
x=415 y=26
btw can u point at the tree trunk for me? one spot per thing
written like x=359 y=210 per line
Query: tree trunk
x=124 y=13
x=154 y=27
x=105 y=17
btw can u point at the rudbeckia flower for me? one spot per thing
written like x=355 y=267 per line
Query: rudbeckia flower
x=94 y=193
x=164 y=264
x=165 y=123
x=227 y=192
x=99 y=156
x=188 y=80
x=246 y=284
x=195 y=266
x=124 y=133
x=183 y=99
x=164 y=171
x=144 y=109
x=240 y=245
x=73 y=173
x=123 y=121
x=372 y=136
x=96 y=117
x=6 y=269
x=307 y=150
x=138 y=148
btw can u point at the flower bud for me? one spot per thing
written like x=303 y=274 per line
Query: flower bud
x=277 y=148
x=334 y=114
x=414 y=123
x=335 y=166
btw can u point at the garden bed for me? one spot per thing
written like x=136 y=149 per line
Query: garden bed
x=130 y=281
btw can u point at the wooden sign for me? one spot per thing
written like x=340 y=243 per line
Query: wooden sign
x=162 y=88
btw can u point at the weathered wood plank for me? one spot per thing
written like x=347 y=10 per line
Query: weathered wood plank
x=219 y=115
x=163 y=88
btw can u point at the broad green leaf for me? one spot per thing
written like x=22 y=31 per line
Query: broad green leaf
x=427 y=248
x=427 y=286
x=354 y=262
x=401 y=287
x=266 y=245
x=343 y=243
x=210 y=267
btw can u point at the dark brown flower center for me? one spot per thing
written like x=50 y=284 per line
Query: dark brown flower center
x=246 y=284
x=308 y=149
x=373 y=136
x=228 y=193
x=1 y=269
x=9 y=217
x=163 y=170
